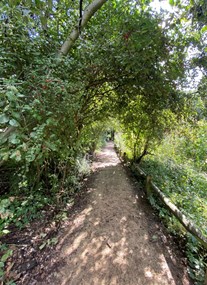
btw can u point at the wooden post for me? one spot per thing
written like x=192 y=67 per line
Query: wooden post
x=148 y=186
x=188 y=225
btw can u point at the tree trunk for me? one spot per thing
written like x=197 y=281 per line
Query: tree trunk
x=145 y=152
x=88 y=13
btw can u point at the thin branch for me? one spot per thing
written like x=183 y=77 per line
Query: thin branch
x=80 y=12
x=88 y=13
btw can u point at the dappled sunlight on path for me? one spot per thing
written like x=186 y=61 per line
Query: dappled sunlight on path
x=106 y=157
x=113 y=240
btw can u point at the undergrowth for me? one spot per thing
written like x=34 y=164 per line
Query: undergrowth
x=185 y=183
x=21 y=205
x=178 y=167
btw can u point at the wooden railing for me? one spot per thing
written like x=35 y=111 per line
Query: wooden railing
x=152 y=188
x=187 y=224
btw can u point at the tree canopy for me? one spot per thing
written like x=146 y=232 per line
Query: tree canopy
x=126 y=61
x=71 y=70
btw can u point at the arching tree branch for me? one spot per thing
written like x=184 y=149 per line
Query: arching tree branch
x=81 y=14
x=88 y=13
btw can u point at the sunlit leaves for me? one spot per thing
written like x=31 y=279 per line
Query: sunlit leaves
x=3 y=119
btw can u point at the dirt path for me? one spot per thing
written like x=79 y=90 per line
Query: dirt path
x=114 y=239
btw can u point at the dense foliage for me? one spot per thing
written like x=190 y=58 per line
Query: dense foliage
x=178 y=167
x=126 y=71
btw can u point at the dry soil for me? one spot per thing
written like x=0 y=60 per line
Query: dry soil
x=115 y=238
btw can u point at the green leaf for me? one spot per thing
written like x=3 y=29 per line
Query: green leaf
x=30 y=157
x=4 y=119
x=16 y=155
x=43 y=245
x=13 y=123
x=1 y=264
x=29 y=2
x=204 y=29
x=16 y=115
x=20 y=95
x=51 y=146
x=38 y=3
x=2 y=139
x=50 y=4
x=6 y=255
x=11 y=96
x=5 y=156
x=13 y=139
x=11 y=283
x=4 y=204
x=54 y=241
x=12 y=88
x=43 y=21
x=1 y=273
x=33 y=134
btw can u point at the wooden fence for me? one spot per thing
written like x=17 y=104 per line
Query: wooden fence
x=188 y=225
x=152 y=188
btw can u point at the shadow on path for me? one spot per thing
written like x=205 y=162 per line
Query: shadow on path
x=114 y=238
